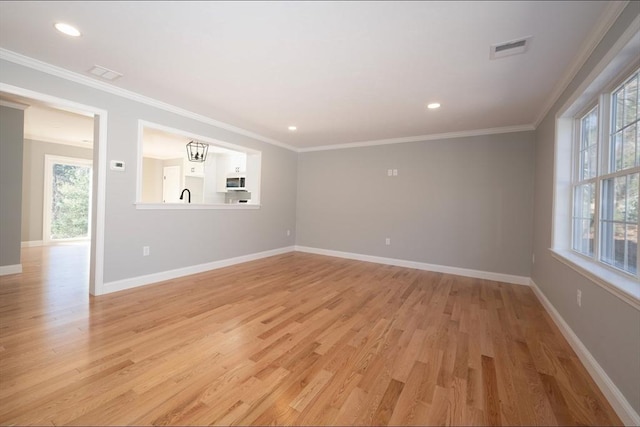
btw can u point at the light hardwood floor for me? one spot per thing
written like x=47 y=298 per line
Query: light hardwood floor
x=292 y=339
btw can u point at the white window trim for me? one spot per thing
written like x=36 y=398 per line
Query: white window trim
x=256 y=160
x=194 y=206
x=617 y=64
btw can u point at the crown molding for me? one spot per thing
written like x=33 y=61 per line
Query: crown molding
x=13 y=104
x=105 y=87
x=44 y=67
x=609 y=16
x=420 y=138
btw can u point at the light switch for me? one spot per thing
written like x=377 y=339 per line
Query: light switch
x=117 y=165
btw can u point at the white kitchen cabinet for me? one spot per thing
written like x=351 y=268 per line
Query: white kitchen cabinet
x=236 y=163
x=229 y=166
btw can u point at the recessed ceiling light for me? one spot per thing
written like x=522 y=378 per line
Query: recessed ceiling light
x=293 y=128
x=67 y=29
x=433 y=106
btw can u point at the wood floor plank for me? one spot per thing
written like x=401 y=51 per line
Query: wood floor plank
x=295 y=339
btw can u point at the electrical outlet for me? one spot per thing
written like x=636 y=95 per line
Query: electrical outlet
x=288 y=232
x=395 y=172
x=533 y=259
x=579 y=298
x=389 y=172
x=387 y=241
x=145 y=251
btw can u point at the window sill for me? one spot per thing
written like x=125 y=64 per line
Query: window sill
x=625 y=288
x=194 y=206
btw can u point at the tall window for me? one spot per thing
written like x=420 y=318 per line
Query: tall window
x=584 y=191
x=606 y=180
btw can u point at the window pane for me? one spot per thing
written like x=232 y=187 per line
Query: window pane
x=629 y=150
x=619 y=225
x=633 y=188
x=584 y=165
x=583 y=236
x=613 y=244
x=606 y=242
x=584 y=201
x=618 y=110
x=631 y=101
x=619 y=245
x=583 y=212
x=619 y=202
x=632 y=249
x=588 y=145
x=589 y=127
x=637 y=146
x=617 y=152
x=624 y=135
x=593 y=161
x=607 y=201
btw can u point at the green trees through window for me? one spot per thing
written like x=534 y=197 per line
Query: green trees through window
x=70 y=201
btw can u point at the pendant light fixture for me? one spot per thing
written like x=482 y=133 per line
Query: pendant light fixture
x=197 y=151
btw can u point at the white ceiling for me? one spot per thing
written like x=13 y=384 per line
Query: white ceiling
x=342 y=72
x=44 y=122
x=160 y=144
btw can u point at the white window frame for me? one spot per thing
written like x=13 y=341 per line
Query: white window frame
x=603 y=168
x=575 y=171
x=614 y=69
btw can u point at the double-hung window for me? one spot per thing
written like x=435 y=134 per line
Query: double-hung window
x=606 y=179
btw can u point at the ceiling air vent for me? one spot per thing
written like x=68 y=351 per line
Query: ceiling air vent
x=512 y=47
x=105 y=73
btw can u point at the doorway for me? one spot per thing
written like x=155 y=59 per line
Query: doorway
x=96 y=223
x=67 y=199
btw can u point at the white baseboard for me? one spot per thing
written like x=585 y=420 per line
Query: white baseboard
x=478 y=274
x=615 y=397
x=31 y=243
x=10 y=269
x=120 y=285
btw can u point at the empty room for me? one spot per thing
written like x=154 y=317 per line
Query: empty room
x=319 y=213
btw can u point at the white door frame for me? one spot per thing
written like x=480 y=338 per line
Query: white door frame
x=49 y=161
x=96 y=269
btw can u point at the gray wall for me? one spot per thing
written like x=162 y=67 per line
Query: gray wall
x=608 y=326
x=11 y=135
x=177 y=238
x=464 y=202
x=33 y=182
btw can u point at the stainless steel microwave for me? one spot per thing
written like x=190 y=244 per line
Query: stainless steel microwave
x=236 y=183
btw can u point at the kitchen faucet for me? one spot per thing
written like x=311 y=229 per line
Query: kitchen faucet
x=182 y=194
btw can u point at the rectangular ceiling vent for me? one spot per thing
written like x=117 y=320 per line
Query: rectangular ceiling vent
x=509 y=48
x=105 y=73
